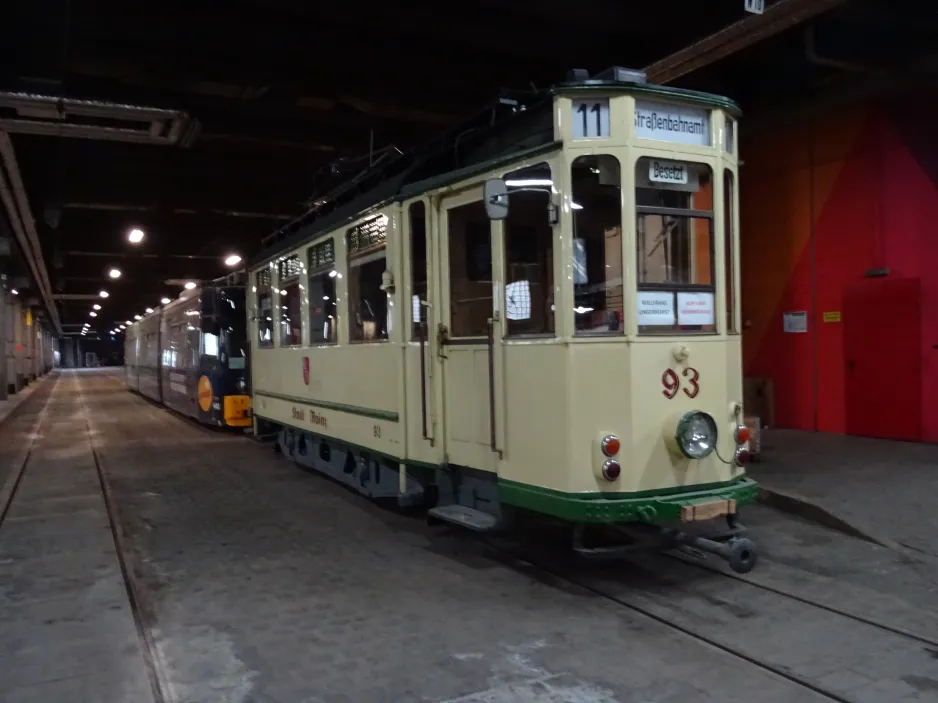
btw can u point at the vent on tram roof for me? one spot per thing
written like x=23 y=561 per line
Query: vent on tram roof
x=620 y=74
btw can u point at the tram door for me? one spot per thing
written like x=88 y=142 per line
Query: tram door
x=467 y=336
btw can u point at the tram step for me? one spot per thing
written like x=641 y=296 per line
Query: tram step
x=465 y=517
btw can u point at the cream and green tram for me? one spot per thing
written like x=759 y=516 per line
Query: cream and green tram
x=538 y=311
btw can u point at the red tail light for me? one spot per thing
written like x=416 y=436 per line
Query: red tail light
x=611 y=470
x=610 y=445
x=742 y=434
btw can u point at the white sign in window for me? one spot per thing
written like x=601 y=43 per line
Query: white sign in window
x=662 y=171
x=655 y=308
x=672 y=123
x=795 y=322
x=590 y=118
x=518 y=300
x=756 y=7
x=695 y=309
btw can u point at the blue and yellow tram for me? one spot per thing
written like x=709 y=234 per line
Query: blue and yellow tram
x=191 y=355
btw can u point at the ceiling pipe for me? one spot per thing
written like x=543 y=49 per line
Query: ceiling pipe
x=136 y=255
x=118 y=207
x=50 y=118
x=778 y=17
x=16 y=203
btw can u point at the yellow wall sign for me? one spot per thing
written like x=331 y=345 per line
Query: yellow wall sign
x=833 y=316
x=205 y=394
x=29 y=319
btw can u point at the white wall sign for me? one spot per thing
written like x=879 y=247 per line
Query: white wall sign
x=695 y=309
x=672 y=123
x=590 y=118
x=795 y=322
x=655 y=308
x=663 y=171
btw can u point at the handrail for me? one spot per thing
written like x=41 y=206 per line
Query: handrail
x=422 y=326
x=491 y=343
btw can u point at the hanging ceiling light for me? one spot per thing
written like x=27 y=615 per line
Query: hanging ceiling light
x=165 y=301
x=96 y=306
x=114 y=273
x=190 y=285
x=93 y=313
x=104 y=294
x=149 y=310
x=135 y=236
x=232 y=260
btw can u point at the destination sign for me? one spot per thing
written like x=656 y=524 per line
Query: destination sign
x=672 y=123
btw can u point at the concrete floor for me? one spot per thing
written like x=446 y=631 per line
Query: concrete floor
x=888 y=490
x=256 y=582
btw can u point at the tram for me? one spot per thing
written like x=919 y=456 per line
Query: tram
x=537 y=312
x=191 y=355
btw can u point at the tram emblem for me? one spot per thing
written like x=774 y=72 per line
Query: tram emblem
x=306 y=370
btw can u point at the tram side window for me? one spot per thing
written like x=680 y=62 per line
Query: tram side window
x=597 y=245
x=729 y=249
x=529 y=253
x=291 y=319
x=470 y=269
x=194 y=339
x=265 y=313
x=322 y=300
x=674 y=247
x=369 y=319
x=418 y=264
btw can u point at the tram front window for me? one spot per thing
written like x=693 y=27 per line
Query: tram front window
x=674 y=247
x=234 y=338
x=597 y=245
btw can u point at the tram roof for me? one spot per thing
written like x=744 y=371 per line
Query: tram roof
x=430 y=167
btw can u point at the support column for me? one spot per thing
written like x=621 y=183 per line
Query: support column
x=9 y=353
x=4 y=314
x=19 y=351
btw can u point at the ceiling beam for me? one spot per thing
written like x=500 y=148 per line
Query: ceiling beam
x=777 y=18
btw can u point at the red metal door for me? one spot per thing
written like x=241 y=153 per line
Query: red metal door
x=883 y=355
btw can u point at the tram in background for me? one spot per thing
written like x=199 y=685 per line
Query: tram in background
x=191 y=354
x=538 y=312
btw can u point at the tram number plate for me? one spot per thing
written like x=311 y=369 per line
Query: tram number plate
x=708 y=510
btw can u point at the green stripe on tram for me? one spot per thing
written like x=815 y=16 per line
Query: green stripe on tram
x=329 y=405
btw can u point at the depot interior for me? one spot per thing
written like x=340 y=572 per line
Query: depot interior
x=253 y=119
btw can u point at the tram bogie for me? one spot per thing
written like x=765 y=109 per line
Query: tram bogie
x=548 y=327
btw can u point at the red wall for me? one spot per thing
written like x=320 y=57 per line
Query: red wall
x=823 y=202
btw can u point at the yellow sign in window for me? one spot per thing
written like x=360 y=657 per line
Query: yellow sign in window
x=833 y=316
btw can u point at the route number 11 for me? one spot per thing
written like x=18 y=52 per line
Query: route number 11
x=591 y=118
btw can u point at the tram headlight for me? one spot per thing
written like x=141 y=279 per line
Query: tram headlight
x=241 y=385
x=696 y=434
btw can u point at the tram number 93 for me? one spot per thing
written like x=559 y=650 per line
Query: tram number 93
x=376 y=430
x=672 y=384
